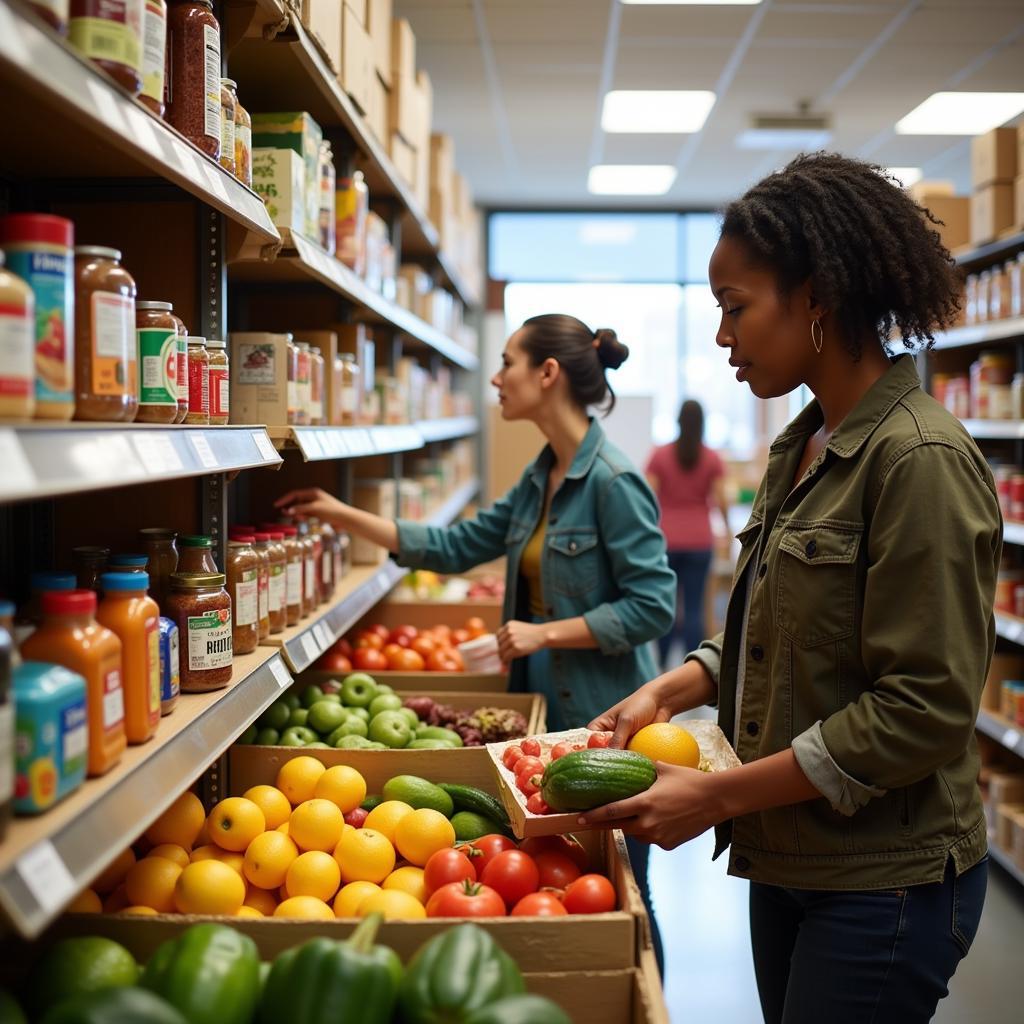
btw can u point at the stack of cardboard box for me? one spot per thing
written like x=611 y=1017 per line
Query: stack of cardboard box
x=951 y=210
x=993 y=170
x=411 y=111
x=339 y=29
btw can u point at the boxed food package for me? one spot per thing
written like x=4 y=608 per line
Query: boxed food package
x=1003 y=788
x=379 y=27
x=356 y=60
x=403 y=51
x=419 y=285
x=992 y=212
x=403 y=156
x=298 y=131
x=377 y=112
x=259 y=378
x=279 y=177
x=323 y=20
x=381 y=498
x=352 y=205
x=955 y=214
x=404 y=107
x=361 y=9
x=442 y=163
x=994 y=157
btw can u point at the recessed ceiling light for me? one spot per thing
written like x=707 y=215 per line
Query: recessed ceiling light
x=906 y=176
x=961 y=113
x=631 y=179
x=783 y=138
x=656 y=112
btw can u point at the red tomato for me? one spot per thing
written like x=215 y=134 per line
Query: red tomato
x=343 y=646
x=561 y=749
x=566 y=845
x=444 y=659
x=380 y=629
x=527 y=784
x=442 y=633
x=557 y=870
x=539 y=904
x=367 y=638
x=590 y=894
x=334 y=661
x=423 y=646
x=465 y=899
x=369 y=659
x=530 y=766
x=489 y=846
x=403 y=635
x=475 y=626
x=513 y=875
x=445 y=867
x=599 y=740
x=536 y=804
x=410 y=661
x=531 y=747
x=512 y=756
x=460 y=636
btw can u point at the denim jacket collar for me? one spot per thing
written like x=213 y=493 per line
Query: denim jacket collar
x=582 y=461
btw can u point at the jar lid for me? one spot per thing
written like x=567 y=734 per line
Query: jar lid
x=197 y=580
x=121 y=581
x=165 y=306
x=233 y=531
x=193 y=541
x=276 y=536
x=69 y=602
x=52 y=581
x=216 y=344
x=129 y=559
x=194 y=339
x=158 y=533
x=37 y=227
x=289 y=531
x=262 y=538
x=243 y=540
x=98 y=250
x=90 y=551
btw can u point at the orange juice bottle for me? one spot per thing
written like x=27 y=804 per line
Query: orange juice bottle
x=70 y=636
x=134 y=617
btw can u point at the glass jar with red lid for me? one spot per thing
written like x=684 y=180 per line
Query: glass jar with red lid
x=193 y=74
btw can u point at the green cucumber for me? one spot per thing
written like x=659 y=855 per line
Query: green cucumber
x=371 y=801
x=469 y=798
x=586 y=779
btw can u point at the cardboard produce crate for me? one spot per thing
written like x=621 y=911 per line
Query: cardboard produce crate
x=426 y=682
x=425 y=614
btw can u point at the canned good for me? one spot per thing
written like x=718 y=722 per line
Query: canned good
x=170 y=679
x=1011 y=703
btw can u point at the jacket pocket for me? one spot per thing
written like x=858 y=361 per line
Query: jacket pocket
x=573 y=561
x=816 y=583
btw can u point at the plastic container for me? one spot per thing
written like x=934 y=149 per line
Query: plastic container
x=154 y=56
x=170 y=677
x=32 y=613
x=7 y=656
x=52 y=735
x=70 y=636
x=17 y=346
x=261 y=545
x=156 y=339
x=295 y=555
x=193 y=92
x=277 y=592
x=162 y=549
x=243 y=144
x=481 y=654
x=200 y=607
x=219 y=383
x=243 y=570
x=228 y=103
x=38 y=248
x=105 y=359
x=195 y=554
x=89 y=563
x=110 y=35
x=133 y=617
x=198 y=382
x=53 y=12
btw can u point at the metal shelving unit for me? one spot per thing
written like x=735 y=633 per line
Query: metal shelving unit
x=995 y=430
x=981 y=334
x=1006 y=862
x=1002 y=731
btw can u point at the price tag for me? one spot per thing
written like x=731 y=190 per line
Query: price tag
x=280 y=673
x=360 y=443
x=311 y=445
x=265 y=446
x=157 y=452
x=107 y=105
x=1011 y=738
x=383 y=584
x=203 y=450
x=18 y=475
x=46 y=876
x=322 y=639
x=309 y=646
x=341 y=440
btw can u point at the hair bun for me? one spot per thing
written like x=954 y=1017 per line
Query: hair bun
x=610 y=350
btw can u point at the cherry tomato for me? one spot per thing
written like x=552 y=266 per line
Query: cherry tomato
x=445 y=867
x=536 y=804
x=465 y=899
x=599 y=740
x=531 y=747
x=539 y=904
x=511 y=757
x=513 y=875
x=590 y=894
x=530 y=766
x=444 y=659
x=424 y=646
x=489 y=847
x=529 y=785
x=566 y=845
x=561 y=749
x=557 y=871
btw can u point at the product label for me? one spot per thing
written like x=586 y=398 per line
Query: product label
x=198 y=386
x=6 y=751
x=153 y=664
x=154 y=47
x=209 y=640
x=264 y=595
x=310 y=579
x=113 y=700
x=227 y=136
x=170 y=677
x=328 y=565
x=110 y=30
x=255 y=364
x=219 y=391
x=349 y=404
x=76 y=738
x=48 y=273
x=317 y=410
x=243 y=152
x=113 y=342
x=293 y=398
x=277 y=588
x=158 y=357
x=17 y=352
x=182 y=369
x=293 y=586
x=211 y=38
x=247 y=598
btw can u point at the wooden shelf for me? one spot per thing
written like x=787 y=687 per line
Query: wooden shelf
x=1002 y=730
x=992 y=252
x=1011 y=329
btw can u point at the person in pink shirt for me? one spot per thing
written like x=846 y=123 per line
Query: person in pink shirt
x=687 y=477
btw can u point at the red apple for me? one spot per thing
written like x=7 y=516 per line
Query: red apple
x=357 y=817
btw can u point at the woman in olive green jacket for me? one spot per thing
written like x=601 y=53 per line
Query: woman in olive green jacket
x=860 y=627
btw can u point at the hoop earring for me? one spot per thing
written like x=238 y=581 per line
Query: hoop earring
x=817 y=340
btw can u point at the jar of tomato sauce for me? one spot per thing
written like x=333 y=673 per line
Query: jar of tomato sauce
x=278 y=583
x=201 y=609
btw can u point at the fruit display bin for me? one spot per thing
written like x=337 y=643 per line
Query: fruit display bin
x=425 y=682
x=716 y=755
x=425 y=614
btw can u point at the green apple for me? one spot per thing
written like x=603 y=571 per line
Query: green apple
x=390 y=728
x=378 y=746
x=384 y=688
x=352 y=743
x=353 y=726
x=267 y=738
x=384 y=702
x=357 y=690
x=359 y=713
x=325 y=716
x=275 y=717
x=318 y=745
x=331 y=698
x=298 y=717
x=298 y=736
x=310 y=695
x=291 y=698
x=412 y=717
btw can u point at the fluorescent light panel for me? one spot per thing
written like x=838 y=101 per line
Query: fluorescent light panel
x=906 y=176
x=656 y=112
x=961 y=113
x=783 y=138
x=631 y=179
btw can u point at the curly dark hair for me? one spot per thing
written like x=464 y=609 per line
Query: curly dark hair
x=870 y=252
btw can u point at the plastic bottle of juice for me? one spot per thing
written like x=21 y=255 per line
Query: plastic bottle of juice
x=70 y=636
x=135 y=618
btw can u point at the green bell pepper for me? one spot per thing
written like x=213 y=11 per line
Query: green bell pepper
x=114 y=1006
x=455 y=974
x=211 y=974
x=526 y=1009
x=328 y=982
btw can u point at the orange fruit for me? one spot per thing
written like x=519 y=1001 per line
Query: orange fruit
x=394 y=904
x=267 y=860
x=408 y=879
x=247 y=911
x=346 y=903
x=423 y=833
x=298 y=777
x=666 y=742
x=86 y=902
x=285 y=828
x=209 y=887
x=203 y=839
x=343 y=786
x=113 y=874
x=116 y=901
x=151 y=882
x=306 y=907
x=180 y=823
x=386 y=816
x=235 y=822
x=261 y=900
x=314 y=873
x=140 y=911
x=364 y=855
x=171 y=852
x=235 y=861
x=272 y=802
x=316 y=825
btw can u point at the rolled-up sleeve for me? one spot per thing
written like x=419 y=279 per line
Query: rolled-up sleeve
x=635 y=546
x=709 y=654
x=927 y=634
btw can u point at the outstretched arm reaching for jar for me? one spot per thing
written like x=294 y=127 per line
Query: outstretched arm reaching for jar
x=313 y=501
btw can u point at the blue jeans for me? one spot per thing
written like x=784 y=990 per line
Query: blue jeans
x=691 y=569
x=863 y=957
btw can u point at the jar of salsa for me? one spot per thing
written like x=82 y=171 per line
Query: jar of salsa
x=243 y=144
x=196 y=554
x=109 y=33
x=261 y=545
x=89 y=564
x=219 y=386
x=295 y=555
x=228 y=103
x=70 y=636
x=156 y=336
x=159 y=544
x=198 y=382
x=105 y=359
x=278 y=584
x=243 y=570
x=312 y=571
x=201 y=609
x=193 y=73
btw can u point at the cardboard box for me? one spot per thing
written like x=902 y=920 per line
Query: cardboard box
x=1018 y=201
x=403 y=156
x=994 y=157
x=377 y=113
x=425 y=614
x=381 y=498
x=450 y=682
x=403 y=52
x=259 y=378
x=442 y=164
x=1003 y=666
x=403 y=109
x=379 y=27
x=1004 y=824
x=992 y=212
x=298 y=131
x=360 y=8
x=356 y=60
x=322 y=18
x=279 y=176
x=955 y=214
